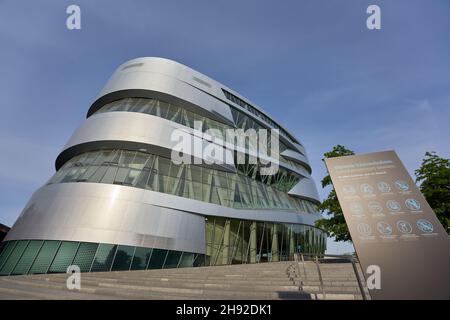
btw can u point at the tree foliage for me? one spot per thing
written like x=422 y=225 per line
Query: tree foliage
x=433 y=178
x=334 y=224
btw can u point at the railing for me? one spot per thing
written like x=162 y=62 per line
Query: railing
x=299 y=258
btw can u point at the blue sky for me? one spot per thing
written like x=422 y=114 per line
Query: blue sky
x=313 y=65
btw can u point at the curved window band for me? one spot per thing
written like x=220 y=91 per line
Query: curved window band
x=165 y=110
x=227 y=241
x=146 y=171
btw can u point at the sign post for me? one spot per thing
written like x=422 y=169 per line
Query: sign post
x=393 y=228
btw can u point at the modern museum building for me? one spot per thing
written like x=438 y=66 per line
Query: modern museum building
x=118 y=201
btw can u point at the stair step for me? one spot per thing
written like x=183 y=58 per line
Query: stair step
x=278 y=280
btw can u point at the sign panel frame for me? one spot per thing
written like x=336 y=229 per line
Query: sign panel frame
x=392 y=226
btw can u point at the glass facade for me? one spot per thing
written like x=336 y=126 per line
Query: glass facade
x=245 y=189
x=141 y=258
x=44 y=256
x=63 y=257
x=244 y=122
x=165 y=110
x=27 y=258
x=295 y=165
x=182 y=116
x=257 y=113
x=13 y=258
x=230 y=241
x=123 y=257
x=39 y=256
x=85 y=255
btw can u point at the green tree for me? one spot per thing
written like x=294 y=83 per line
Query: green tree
x=433 y=178
x=334 y=224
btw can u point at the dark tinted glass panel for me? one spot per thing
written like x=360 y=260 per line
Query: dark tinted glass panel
x=141 y=258
x=28 y=257
x=7 y=249
x=44 y=257
x=157 y=259
x=187 y=260
x=200 y=260
x=173 y=257
x=13 y=258
x=85 y=256
x=64 y=257
x=122 y=260
x=104 y=257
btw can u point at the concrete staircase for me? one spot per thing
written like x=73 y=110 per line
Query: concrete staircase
x=252 y=281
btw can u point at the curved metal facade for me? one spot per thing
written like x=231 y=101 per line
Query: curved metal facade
x=82 y=211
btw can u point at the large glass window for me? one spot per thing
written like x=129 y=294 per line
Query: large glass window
x=45 y=257
x=244 y=189
x=13 y=258
x=141 y=258
x=28 y=257
x=182 y=116
x=157 y=259
x=165 y=110
x=85 y=255
x=172 y=260
x=256 y=112
x=230 y=241
x=201 y=260
x=122 y=260
x=64 y=257
x=187 y=260
x=104 y=257
x=6 y=251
